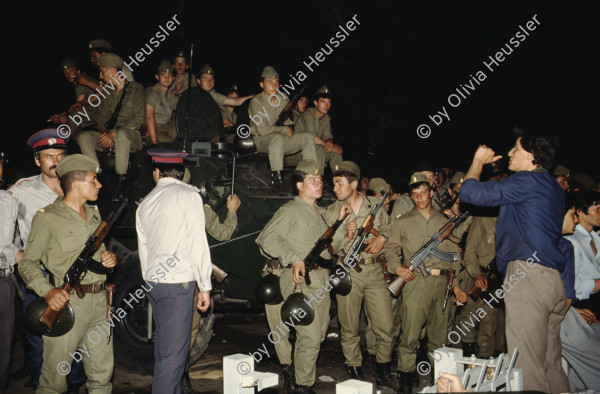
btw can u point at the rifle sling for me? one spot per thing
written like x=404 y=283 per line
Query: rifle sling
x=117 y=110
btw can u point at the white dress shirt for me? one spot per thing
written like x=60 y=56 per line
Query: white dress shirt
x=172 y=243
x=587 y=266
x=8 y=218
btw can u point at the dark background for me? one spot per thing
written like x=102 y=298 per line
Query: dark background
x=395 y=69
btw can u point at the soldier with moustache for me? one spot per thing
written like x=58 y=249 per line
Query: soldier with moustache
x=369 y=285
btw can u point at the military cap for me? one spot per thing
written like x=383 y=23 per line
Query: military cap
x=181 y=54
x=585 y=180
x=162 y=155
x=206 y=69
x=308 y=167
x=110 y=60
x=48 y=139
x=417 y=177
x=348 y=166
x=68 y=63
x=76 y=162
x=100 y=44
x=561 y=170
x=378 y=184
x=233 y=88
x=324 y=91
x=458 y=178
x=269 y=73
x=423 y=165
x=187 y=176
x=165 y=67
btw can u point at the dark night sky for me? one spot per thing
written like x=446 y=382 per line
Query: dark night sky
x=397 y=68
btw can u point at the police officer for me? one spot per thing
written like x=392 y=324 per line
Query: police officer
x=58 y=234
x=422 y=297
x=369 y=284
x=289 y=236
x=317 y=122
x=33 y=193
x=264 y=110
x=160 y=106
x=125 y=135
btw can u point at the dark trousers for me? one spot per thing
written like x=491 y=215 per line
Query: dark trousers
x=172 y=312
x=7 y=326
x=74 y=378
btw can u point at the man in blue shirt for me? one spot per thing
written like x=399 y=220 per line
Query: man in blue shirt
x=528 y=231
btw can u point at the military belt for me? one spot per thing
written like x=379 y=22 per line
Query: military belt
x=436 y=272
x=372 y=260
x=316 y=267
x=95 y=288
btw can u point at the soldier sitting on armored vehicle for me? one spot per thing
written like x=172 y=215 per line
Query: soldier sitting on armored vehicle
x=160 y=104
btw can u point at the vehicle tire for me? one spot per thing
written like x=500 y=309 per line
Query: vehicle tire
x=131 y=346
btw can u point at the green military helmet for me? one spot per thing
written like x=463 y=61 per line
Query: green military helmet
x=269 y=73
x=77 y=162
x=348 y=166
x=63 y=324
x=308 y=166
x=99 y=43
x=458 y=178
x=268 y=290
x=110 y=60
x=342 y=284
x=417 y=177
x=165 y=67
x=561 y=170
x=378 y=185
x=206 y=69
x=68 y=63
x=298 y=309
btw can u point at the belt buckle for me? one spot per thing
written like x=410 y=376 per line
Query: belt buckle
x=435 y=271
x=369 y=261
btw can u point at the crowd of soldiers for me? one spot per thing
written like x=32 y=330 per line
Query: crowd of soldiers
x=410 y=326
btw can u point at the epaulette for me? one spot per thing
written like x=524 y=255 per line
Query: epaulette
x=41 y=210
x=398 y=216
x=207 y=206
x=155 y=88
x=95 y=207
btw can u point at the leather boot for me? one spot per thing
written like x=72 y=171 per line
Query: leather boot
x=384 y=376
x=288 y=377
x=355 y=372
x=119 y=195
x=404 y=382
x=277 y=181
x=303 y=390
x=469 y=348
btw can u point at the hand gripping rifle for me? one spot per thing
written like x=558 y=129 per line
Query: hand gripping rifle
x=430 y=249
x=324 y=242
x=286 y=113
x=362 y=233
x=491 y=274
x=47 y=317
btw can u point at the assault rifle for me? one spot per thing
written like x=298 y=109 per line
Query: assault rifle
x=72 y=279
x=324 y=242
x=286 y=113
x=492 y=275
x=362 y=233
x=430 y=249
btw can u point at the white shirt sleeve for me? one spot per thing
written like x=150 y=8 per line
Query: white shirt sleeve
x=200 y=252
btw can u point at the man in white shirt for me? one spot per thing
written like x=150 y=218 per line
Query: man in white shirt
x=173 y=253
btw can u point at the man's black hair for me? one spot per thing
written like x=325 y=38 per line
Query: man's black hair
x=538 y=142
x=298 y=176
x=100 y=50
x=418 y=185
x=170 y=170
x=348 y=175
x=584 y=199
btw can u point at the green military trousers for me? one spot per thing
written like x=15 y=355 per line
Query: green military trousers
x=324 y=157
x=466 y=318
x=422 y=301
x=283 y=348
x=125 y=140
x=309 y=338
x=277 y=145
x=491 y=335
x=370 y=337
x=370 y=286
x=87 y=341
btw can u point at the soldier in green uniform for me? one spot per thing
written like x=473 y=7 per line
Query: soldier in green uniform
x=317 y=122
x=80 y=110
x=404 y=203
x=206 y=81
x=264 y=110
x=180 y=85
x=422 y=297
x=229 y=116
x=98 y=48
x=289 y=236
x=369 y=284
x=300 y=107
x=160 y=107
x=562 y=174
x=479 y=252
x=58 y=234
x=125 y=135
